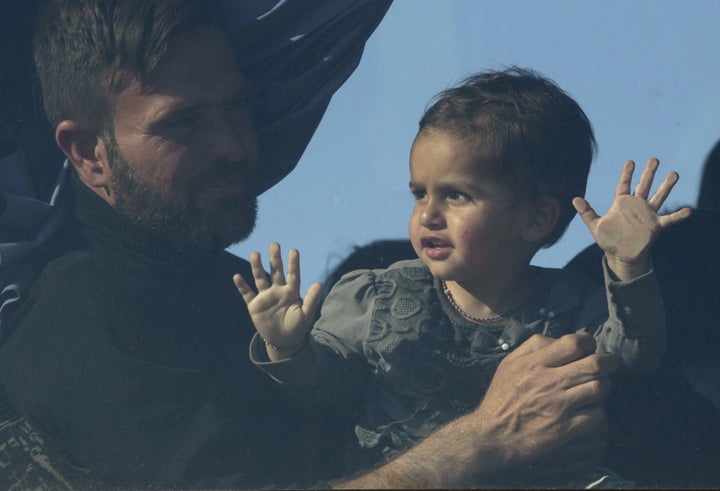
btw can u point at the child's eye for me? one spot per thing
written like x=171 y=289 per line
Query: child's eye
x=418 y=194
x=457 y=196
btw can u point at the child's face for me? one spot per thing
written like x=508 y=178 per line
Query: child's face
x=466 y=225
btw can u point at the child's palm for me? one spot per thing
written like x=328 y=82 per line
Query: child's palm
x=277 y=310
x=628 y=228
x=631 y=225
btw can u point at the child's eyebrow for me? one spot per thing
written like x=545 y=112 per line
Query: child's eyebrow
x=464 y=185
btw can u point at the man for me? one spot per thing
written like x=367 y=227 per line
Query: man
x=126 y=353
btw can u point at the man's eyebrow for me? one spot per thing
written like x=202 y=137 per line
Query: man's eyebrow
x=175 y=111
x=172 y=113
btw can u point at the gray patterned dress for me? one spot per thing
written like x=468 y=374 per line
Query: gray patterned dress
x=390 y=347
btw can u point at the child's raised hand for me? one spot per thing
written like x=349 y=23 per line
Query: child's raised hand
x=279 y=313
x=631 y=225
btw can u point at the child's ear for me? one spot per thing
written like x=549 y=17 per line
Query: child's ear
x=542 y=216
x=87 y=153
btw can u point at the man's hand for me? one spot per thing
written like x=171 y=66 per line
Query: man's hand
x=631 y=225
x=546 y=400
x=543 y=409
x=281 y=317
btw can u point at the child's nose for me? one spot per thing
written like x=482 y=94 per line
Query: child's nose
x=431 y=215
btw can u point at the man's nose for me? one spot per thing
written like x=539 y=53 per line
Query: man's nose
x=232 y=141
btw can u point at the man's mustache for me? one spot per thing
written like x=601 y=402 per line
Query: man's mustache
x=227 y=171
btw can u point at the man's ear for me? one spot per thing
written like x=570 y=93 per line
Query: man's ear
x=87 y=153
x=542 y=216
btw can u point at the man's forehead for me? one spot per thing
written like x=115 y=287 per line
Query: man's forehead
x=147 y=104
x=187 y=92
x=143 y=104
x=199 y=59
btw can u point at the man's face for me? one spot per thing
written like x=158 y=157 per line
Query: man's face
x=183 y=152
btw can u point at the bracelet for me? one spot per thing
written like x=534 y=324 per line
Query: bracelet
x=291 y=347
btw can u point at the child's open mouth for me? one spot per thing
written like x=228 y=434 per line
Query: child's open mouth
x=435 y=248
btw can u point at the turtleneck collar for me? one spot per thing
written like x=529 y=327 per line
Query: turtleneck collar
x=106 y=226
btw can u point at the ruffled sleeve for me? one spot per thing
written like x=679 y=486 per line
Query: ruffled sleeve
x=332 y=368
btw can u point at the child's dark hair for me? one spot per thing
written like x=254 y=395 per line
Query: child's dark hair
x=536 y=137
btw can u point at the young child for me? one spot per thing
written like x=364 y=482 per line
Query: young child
x=497 y=170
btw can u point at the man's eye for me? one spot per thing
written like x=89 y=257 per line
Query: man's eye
x=180 y=121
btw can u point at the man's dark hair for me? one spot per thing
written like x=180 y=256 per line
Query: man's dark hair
x=86 y=51
x=534 y=136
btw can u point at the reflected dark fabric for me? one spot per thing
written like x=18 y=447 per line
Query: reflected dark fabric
x=296 y=54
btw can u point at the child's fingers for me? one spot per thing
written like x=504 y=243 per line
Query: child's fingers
x=646 y=178
x=585 y=211
x=675 y=217
x=262 y=282
x=276 y=266
x=246 y=292
x=663 y=191
x=623 y=186
x=293 y=273
x=312 y=299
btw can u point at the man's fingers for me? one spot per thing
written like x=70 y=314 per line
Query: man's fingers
x=589 y=368
x=589 y=422
x=534 y=343
x=590 y=393
x=578 y=366
x=568 y=348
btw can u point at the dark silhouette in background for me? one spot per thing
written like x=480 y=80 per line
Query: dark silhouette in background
x=375 y=255
x=662 y=431
x=21 y=105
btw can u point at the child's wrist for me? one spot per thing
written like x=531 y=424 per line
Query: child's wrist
x=288 y=349
x=628 y=270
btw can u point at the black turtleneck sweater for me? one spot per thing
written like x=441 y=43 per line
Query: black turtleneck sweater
x=132 y=357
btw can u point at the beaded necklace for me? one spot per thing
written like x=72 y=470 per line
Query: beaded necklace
x=480 y=320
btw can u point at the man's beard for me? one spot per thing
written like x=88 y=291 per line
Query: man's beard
x=182 y=219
